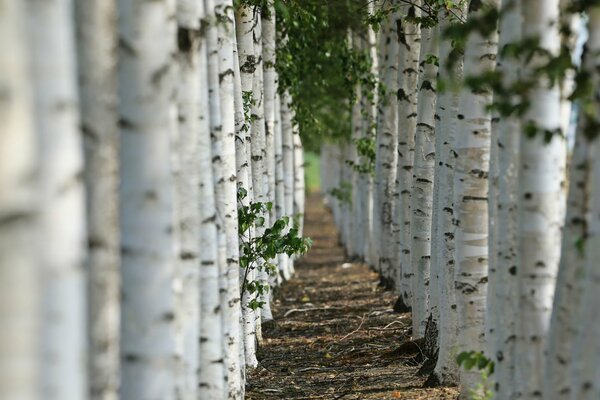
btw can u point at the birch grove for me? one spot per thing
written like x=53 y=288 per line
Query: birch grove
x=155 y=157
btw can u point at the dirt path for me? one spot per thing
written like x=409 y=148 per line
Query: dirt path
x=335 y=335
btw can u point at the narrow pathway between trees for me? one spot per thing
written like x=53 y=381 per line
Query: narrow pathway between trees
x=335 y=335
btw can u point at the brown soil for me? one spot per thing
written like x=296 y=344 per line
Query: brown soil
x=335 y=335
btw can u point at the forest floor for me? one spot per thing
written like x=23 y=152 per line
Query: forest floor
x=335 y=335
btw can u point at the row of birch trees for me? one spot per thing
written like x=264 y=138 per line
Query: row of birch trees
x=470 y=188
x=135 y=136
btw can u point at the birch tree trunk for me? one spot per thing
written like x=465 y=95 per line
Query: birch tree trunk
x=370 y=128
x=62 y=215
x=583 y=356
x=221 y=39
x=387 y=146
x=187 y=199
x=97 y=70
x=298 y=178
x=471 y=197
x=20 y=278
x=147 y=120
x=270 y=89
x=422 y=186
x=446 y=369
x=211 y=374
x=287 y=144
x=566 y=310
x=505 y=137
x=283 y=259
x=541 y=204
x=244 y=26
x=408 y=67
x=584 y=383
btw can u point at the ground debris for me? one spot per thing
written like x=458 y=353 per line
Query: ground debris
x=348 y=343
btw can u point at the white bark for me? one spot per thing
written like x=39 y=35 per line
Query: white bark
x=358 y=179
x=287 y=144
x=187 y=312
x=221 y=39
x=298 y=178
x=20 y=281
x=387 y=146
x=260 y=178
x=566 y=310
x=369 y=126
x=97 y=70
x=270 y=89
x=147 y=119
x=211 y=374
x=584 y=383
x=245 y=42
x=540 y=206
x=410 y=40
x=443 y=261
x=505 y=136
x=422 y=184
x=583 y=355
x=63 y=342
x=283 y=259
x=471 y=199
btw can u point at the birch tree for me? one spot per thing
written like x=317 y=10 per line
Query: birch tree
x=505 y=137
x=443 y=230
x=470 y=196
x=211 y=374
x=260 y=178
x=221 y=39
x=20 y=282
x=387 y=144
x=408 y=67
x=270 y=89
x=566 y=311
x=298 y=178
x=97 y=71
x=422 y=184
x=287 y=144
x=582 y=357
x=244 y=26
x=540 y=201
x=187 y=198
x=62 y=214
x=147 y=119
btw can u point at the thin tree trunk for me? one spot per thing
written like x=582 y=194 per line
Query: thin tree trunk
x=283 y=259
x=287 y=143
x=582 y=359
x=187 y=199
x=20 y=283
x=408 y=67
x=505 y=136
x=211 y=374
x=147 y=119
x=565 y=322
x=298 y=178
x=97 y=71
x=471 y=198
x=541 y=205
x=221 y=39
x=422 y=186
x=443 y=261
x=62 y=253
x=244 y=26
x=387 y=146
